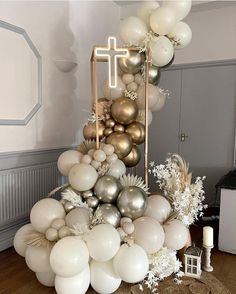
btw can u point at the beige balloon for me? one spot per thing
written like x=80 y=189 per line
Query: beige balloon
x=67 y=159
x=80 y=217
x=37 y=258
x=113 y=93
x=19 y=239
x=176 y=235
x=153 y=94
x=160 y=103
x=141 y=117
x=158 y=207
x=58 y=223
x=44 y=212
x=46 y=278
x=145 y=9
x=51 y=234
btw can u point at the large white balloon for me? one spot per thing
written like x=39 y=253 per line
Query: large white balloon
x=145 y=9
x=69 y=256
x=160 y=102
x=19 y=239
x=44 y=212
x=181 y=7
x=67 y=159
x=153 y=95
x=131 y=263
x=103 y=242
x=78 y=284
x=113 y=93
x=141 y=116
x=117 y=169
x=46 y=278
x=79 y=217
x=158 y=207
x=133 y=30
x=37 y=258
x=176 y=235
x=103 y=277
x=163 y=20
x=82 y=177
x=182 y=34
x=162 y=51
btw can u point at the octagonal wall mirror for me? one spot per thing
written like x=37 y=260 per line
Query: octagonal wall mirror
x=20 y=76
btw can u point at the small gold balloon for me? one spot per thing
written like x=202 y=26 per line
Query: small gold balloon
x=108 y=131
x=124 y=110
x=110 y=123
x=90 y=130
x=136 y=131
x=133 y=157
x=119 y=128
x=121 y=142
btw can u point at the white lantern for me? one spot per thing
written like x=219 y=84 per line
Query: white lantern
x=192 y=261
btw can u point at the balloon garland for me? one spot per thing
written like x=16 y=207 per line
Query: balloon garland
x=107 y=228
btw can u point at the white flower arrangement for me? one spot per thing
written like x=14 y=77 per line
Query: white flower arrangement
x=185 y=197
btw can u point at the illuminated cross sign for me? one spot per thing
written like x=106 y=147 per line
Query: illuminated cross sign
x=112 y=54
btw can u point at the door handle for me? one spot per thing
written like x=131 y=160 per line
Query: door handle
x=183 y=136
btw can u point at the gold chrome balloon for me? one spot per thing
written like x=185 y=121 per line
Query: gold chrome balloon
x=110 y=123
x=108 y=131
x=121 y=142
x=119 y=128
x=89 y=130
x=133 y=157
x=136 y=130
x=124 y=110
x=133 y=63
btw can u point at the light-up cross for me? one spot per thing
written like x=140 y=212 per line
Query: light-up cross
x=112 y=53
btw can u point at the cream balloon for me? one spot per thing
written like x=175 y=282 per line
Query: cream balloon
x=113 y=93
x=67 y=159
x=138 y=79
x=132 y=87
x=182 y=33
x=77 y=284
x=103 y=242
x=131 y=263
x=44 y=212
x=158 y=207
x=117 y=169
x=160 y=102
x=46 y=278
x=19 y=239
x=141 y=116
x=108 y=149
x=163 y=20
x=176 y=235
x=37 y=258
x=145 y=10
x=99 y=155
x=133 y=30
x=127 y=78
x=82 y=177
x=162 y=51
x=153 y=95
x=79 y=217
x=181 y=7
x=103 y=277
x=69 y=256
x=149 y=234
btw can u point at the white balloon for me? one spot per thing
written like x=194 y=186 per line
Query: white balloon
x=44 y=212
x=117 y=169
x=127 y=78
x=82 y=177
x=78 y=284
x=133 y=30
x=181 y=7
x=132 y=87
x=19 y=239
x=141 y=116
x=80 y=217
x=138 y=79
x=37 y=258
x=160 y=102
x=69 y=256
x=67 y=159
x=113 y=93
x=99 y=155
x=46 y=278
x=145 y=10
x=103 y=242
x=131 y=263
x=176 y=235
x=162 y=51
x=163 y=20
x=153 y=95
x=103 y=277
x=158 y=207
x=86 y=159
x=182 y=33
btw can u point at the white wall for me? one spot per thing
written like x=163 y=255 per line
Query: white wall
x=59 y=30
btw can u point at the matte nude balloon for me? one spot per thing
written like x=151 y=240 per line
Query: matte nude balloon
x=162 y=51
x=160 y=103
x=37 y=258
x=67 y=159
x=153 y=94
x=176 y=235
x=46 y=278
x=113 y=93
x=80 y=217
x=19 y=239
x=149 y=234
x=141 y=117
x=158 y=207
x=181 y=7
x=117 y=169
x=145 y=10
x=182 y=33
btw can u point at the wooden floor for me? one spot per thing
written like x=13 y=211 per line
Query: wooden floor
x=15 y=277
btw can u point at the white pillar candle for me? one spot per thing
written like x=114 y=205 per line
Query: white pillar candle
x=208 y=236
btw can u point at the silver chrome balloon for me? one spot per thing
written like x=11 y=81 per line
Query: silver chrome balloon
x=133 y=63
x=110 y=214
x=92 y=202
x=87 y=194
x=107 y=189
x=154 y=75
x=132 y=202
